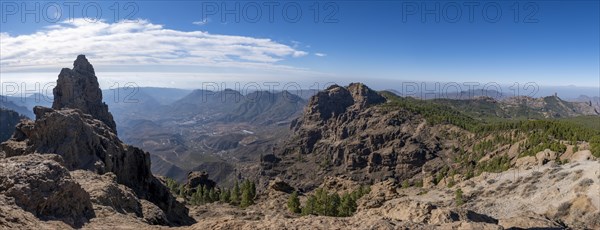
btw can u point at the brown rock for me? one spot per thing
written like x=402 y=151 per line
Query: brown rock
x=78 y=89
x=81 y=130
x=153 y=214
x=105 y=191
x=281 y=186
x=344 y=132
x=44 y=187
x=529 y=221
x=14 y=217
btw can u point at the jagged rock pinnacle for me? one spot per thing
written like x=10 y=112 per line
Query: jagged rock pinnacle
x=83 y=66
x=79 y=89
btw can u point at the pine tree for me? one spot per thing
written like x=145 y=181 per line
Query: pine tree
x=201 y=192
x=332 y=204
x=253 y=190
x=195 y=200
x=213 y=195
x=224 y=196
x=347 y=205
x=206 y=196
x=182 y=191
x=235 y=194
x=321 y=201
x=293 y=203
x=310 y=206
x=246 y=199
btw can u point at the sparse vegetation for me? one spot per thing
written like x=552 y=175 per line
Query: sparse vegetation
x=586 y=182
x=242 y=196
x=458 y=197
x=326 y=204
x=405 y=184
x=293 y=203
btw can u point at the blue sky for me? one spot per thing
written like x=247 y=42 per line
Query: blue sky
x=552 y=43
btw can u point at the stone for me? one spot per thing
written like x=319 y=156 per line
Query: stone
x=281 y=186
x=80 y=129
x=42 y=186
x=105 y=191
x=529 y=221
x=345 y=131
x=78 y=88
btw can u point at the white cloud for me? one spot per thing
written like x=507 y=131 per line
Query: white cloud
x=138 y=45
x=201 y=23
x=320 y=54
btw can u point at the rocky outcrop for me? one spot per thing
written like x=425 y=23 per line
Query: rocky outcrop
x=196 y=179
x=280 y=186
x=8 y=120
x=80 y=130
x=39 y=184
x=78 y=88
x=348 y=130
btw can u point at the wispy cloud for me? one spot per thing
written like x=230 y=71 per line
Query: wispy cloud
x=201 y=23
x=141 y=44
x=320 y=54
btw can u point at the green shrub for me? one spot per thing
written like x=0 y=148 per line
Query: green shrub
x=458 y=197
x=293 y=203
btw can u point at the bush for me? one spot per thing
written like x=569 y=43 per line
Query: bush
x=458 y=197
x=405 y=184
x=419 y=183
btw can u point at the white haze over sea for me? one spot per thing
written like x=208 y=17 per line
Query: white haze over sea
x=43 y=82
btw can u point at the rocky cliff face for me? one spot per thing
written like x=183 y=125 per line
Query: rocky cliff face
x=80 y=130
x=8 y=120
x=345 y=130
x=78 y=88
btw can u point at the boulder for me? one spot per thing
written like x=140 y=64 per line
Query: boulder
x=106 y=192
x=545 y=156
x=281 y=186
x=42 y=186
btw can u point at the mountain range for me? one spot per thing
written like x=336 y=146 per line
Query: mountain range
x=348 y=157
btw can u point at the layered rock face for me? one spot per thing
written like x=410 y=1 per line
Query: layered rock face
x=78 y=88
x=346 y=130
x=81 y=131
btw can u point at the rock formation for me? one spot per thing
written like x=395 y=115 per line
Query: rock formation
x=196 y=179
x=81 y=131
x=8 y=120
x=41 y=186
x=346 y=130
x=78 y=88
